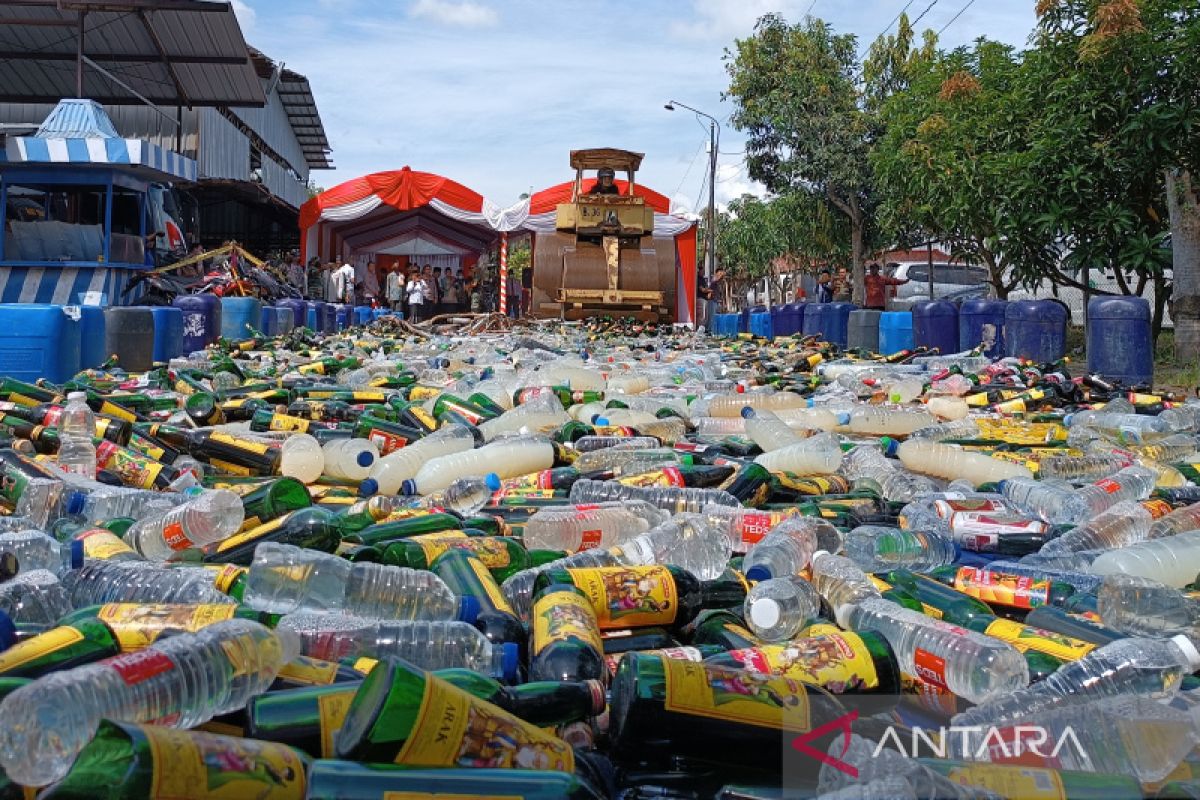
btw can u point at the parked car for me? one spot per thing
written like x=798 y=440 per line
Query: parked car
x=950 y=281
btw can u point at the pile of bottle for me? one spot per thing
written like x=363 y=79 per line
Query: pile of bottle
x=610 y=560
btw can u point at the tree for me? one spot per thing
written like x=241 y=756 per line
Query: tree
x=518 y=257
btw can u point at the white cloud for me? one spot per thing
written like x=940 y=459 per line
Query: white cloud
x=727 y=19
x=246 y=16
x=465 y=14
x=733 y=182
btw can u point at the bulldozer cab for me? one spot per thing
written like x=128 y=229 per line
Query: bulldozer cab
x=596 y=213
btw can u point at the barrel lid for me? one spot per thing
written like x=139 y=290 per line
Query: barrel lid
x=1137 y=308
x=1035 y=311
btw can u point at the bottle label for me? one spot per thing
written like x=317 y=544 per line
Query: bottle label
x=489 y=586
x=1027 y=783
x=667 y=476
x=139 y=625
x=204 y=766
x=226 y=575
x=990 y=524
x=835 y=660
x=929 y=696
x=174 y=537
x=240 y=444
x=102 y=544
x=386 y=442
x=41 y=645
x=365 y=665
x=452 y=728
x=558 y=616
x=756 y=524
x=112 y=410
x=434 y=544
x=1157 y=508
x=625 y=597
x=1015 y=591
x=232 y=469
x=1108 y=485
x=135 y=470
x=331 y=713
x=141 y=665
x=1025 y=638
x=243 y=537
x=735 y=695
x=51 y=417
x=953 y=503
x=310 y=671
x=930 y=668
x=283 y=422
x=813 y=485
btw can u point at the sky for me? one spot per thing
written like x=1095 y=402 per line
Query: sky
x=495 y=93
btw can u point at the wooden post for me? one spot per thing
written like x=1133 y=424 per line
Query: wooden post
x=503 y=272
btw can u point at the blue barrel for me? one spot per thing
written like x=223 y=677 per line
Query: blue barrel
x=935 y=324
x=342 y=316
x=168 y=332
x=1120 y=344
x=982 y=322
x=314 y=316
x=743 y=321
x=760 y=325
x=362 y=315
x=862 y=330
x=129 y=335
x=299 y=310
x=267 y=321
x=779 y=321
x=238 y=316
x=201 y=320
x=814 y=319
x=1036 y=330
x=91 y=337
x=795 y=317
x=285 y=320
x=38 y=340
x=376 y=313
x=895 y=332
x=329 y=318
x=837 y=322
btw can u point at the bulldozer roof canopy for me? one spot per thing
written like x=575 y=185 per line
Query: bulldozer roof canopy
x=598 y=157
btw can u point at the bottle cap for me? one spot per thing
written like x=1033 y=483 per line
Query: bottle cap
x=1001 y=484
x=76 y=548
x=599 y=420
x=1184 y=643
x=8 y=631
x=468 y=609
x=75 y=502
x=408 y=487
x=758 y=573
x=493 y=481
x=747 y=412
x=687 y=460
x=76 y=396
x=889 y=445
x=1067 y=420
x=765 y=613
x=510 y=661
x=365 y=458
x=368 y=487
x=842 y=615
x=599 y=700
x=817 y=554
x=843 y=418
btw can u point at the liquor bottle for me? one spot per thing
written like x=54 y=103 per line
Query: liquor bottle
x=324 y=411
x=387 y=436
x=272 y=499
x=468 y=577
x=630 y=597
x=751 y=484
x=405 y=526
x=136 y=626
x=269 y=420
x=1012 y=592
x=241 y=409
x=720 y=627
x=314 y=528
x=473 y=413
x=328 y=366
x=224 y=451
x=502 y=555
x=113 y=428
x=154 y=448
x=571 y=431
x=83 y=642
x=565 y=644
x=203 y=409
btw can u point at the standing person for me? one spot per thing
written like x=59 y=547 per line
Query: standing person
x=841 y=286
x=450 y=294
x=713 y=294
x=824 y=287
x=526 y=289
x=329 y=283
x=875 y=284
x=460 y=292
x=394 y=287
x=347 y=282
x=439 y=292
x=314 y=279
x=475 y=293
x=415 y=289
x=370 y=284
x=295 y=274
x=514 y=296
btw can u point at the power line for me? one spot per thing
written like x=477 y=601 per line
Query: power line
x=895 y=19
x=923 y=13
x=956 y=16
x=689 y=170
x=810 y=7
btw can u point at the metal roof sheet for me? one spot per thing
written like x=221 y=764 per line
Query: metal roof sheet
x=296 y=95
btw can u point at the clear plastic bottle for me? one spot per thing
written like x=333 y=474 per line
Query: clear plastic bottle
x=880 y=421
x=1131 y=483
x=904 y=390
x=1051 y=500
x=76 y=427
x=768 y=431
x=708 y=427
x=948 y=407
x=430 y=645
x=349 y=459
x=302 y=458
x=37 y=550
x=1141 y=606
x=1122 y=525
x=464 y=496
x=957 y=429
x=676 y=499
x=1080 y=469
x=667 y=431
x=777 y=609
x=530 y=418
x=1082 y=581
x=1178 y=521
x=867 y=466
x=786 y=550
x=731 y=405
x=840 y=581
x=391 y=471
x=1170 y=449
x=179 y=681
x=215 y=515
x=624 y=417
x=1128 y=426
x=970 y=664
x=35 y=597
x=817 y=455
x=1152 y=667
x=99 y=502
x=884 y=774
x=1174 y=560
x=943 y=461
x=627 y=461
x=284 y=579
x=685 y=541
x=594 y=525
x=99 y=582
x=508 y=458
x=591 y=444
x=878 y=549
x=813 y=419
x=518 y=587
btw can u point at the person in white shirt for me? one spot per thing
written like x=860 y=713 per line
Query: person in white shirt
x=344 y=284
x=415 y=289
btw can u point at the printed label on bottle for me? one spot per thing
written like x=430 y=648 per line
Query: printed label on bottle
x=558 y=616
x=667 y=477
x=993 y=523
x=434 y=544
x=928 y=695
x=232 y=469
x=51 y=417
x=135 y=470
x=735 y=695
x=490 y=588
x=226 y=575
x=1015 y=591
x=241 y=538
x=386 y=442
x=590 y=538
x=310 y=671
x=139 y=625
x=454 y=729
x=930 y=667
x=283 y=422
x=756 y=524
x=1157 y=508
x=112 y=410
x=879 y=583
x=331 y=713
x=624 y=597
x=932 y=611
x=203 y=766
x=1108 y=485
x=174 y=537
x=1024 y=638
x=140 y=665
x=102 y=544
x=1027 y=783
x=43 y=644
x=364 y=664
x=240 y=444
x=953 y=503
x=835 y=660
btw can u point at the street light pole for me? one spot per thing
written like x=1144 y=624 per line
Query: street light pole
x=714 y=141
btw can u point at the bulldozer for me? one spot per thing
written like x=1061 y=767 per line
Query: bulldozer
x=603 y=258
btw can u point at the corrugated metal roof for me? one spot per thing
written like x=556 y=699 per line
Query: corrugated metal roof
x=188 y=52
x=77 y=119
x=295 y=93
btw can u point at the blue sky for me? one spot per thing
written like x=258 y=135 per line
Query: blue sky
x=494 y=93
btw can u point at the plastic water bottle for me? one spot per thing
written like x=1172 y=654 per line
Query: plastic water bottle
x=949 y=407
x=35 y=597
x=427 y=644
x=840 y=581
x=957 y=429
x=731 y=405
x=76 y=427
x=1080 y=469
x=777 y=609
x=866 y=465
x=573 y=528
x=36 y=550
x=676 y=499
x=1174 y=560
x=302 y=458
x=284 y=579
x=1152 y=667
x=1131 y=483
x=392 y=470
x=884 y=774
x=524 y=419
x=627 y=460
x=1051 y=500
x=786 y=550
x=1128 y=426
x=464 y=496
x=817 y=455
x=768 y=431
x=349 y=459
x=590 y=444
x=943 y=461
x=179 y=681
x=813 y=419
x=1178 y=521
x=1140 y=606
x=709 y=427
x=98 y=502
x=99 y=582
x=1123 y=524
x=685 y=541
x=905 y=390
x=878 y=549
x=969 y=664
x=880 y=421
x=518 y=587
x=508 y=458
x=209 y=518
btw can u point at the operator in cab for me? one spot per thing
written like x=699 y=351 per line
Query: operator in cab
x=605 y=182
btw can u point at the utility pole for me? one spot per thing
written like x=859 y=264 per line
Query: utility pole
x=710 y=238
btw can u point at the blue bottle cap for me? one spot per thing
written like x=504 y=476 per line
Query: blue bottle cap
x=408 y=487
x=365 y=458
x=8 y=631
x=75 y=502
x=510 y=662
x=468 y=609
x=843 y=418
x=747 y=412
x=889 y=445
x=599 y=420
x=76 y=546
x=368 y=487
x=758 y=573
x=493 y=481
x=1067 y=420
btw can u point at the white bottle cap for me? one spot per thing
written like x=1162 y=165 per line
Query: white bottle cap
x=841 y=615
x=817 y=554
x=765 y=613
x=1184 y=643
x=77 y=396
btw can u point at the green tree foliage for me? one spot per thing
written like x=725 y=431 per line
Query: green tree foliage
x=519 y=254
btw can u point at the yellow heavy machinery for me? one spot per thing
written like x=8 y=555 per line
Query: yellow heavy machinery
x=603 y=257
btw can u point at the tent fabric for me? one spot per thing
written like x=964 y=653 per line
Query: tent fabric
x=664 y=224
x=492 y=215
x=546 y=200
x=402 y=189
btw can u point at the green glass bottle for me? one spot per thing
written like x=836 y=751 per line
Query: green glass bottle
x=270 y=420
x=630 y=597
x=468 y=577
x=241 y=409
x=273 y=499
x=224 y=451
x=136 y=626
x=395 y=530
x=327 y=411
x=345 y=780
x=720 y=627
x=472 y=413
x=82 y=642
x=564 y=394
x=502 y=555
x=572 y=431
x=565 y=644
x=314 y=528
x=1055 y=620
x=203 y=409
x=998 y=588
x=751 y=484
x=387 y=436
x=24 y=393
x=481 y=400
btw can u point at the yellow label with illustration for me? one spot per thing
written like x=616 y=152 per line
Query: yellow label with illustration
x=232 y=469
x=1027 y=783
x=564 y=615
x=434 y=544
x=1016 y=591
x=202 y=766
x=1024 y=638
x=311 y=671
x=331 y=713
x=112 y=410
x=455 y=729
x=735 y=695
x=836 y=660
x=43 y=644
x=629 y=597
x=490 y=550
x=139 y=625
x=283 y=422
x=490 y=587
x=240 y=444
x=418 y=393
x=243 y=537
x=103 y=544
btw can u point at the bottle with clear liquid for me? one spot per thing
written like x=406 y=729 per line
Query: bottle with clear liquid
x=76 y=427
x=778 y=608
x=464 y=496
x=1178 y=521
x=1080 y=469
x=708 y=427
x=1140 y=606
x=508 y=458
x=880 y=421
x=599 y=525
x=349 y=459
x=676 y=499
x=429 y=644
x=99 y=582
x=302 y=457
x=518 y=587
x=1122 y=525
x=668 y=431
x=35 y=597
x=1126 y=425
x=731 y=405
x=213 y=516
x=1131 y=483
x=392 y=470
x=878 y=549
x=1174 y=560
x=36 y=550
x=99 y=502
x=768 y=431
x=181 y=681
x=590 y=444
x=865 y=464
x=817 y=455
x=1152 y=667
x=284 y=579
x=786 y=550
x=686 y=541
x=957 y=429
x=943 y=461
x=840 y=581
x=1051 y=500
x=626 y=459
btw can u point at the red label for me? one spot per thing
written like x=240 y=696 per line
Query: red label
x=1157 y=508
x=140 y=666
x=587 y=507
x=104 y=451
x=752 y=659
x=930 y=668
x=52 y=417
x=174 y=537
x=545 y=479
x=387 y=442
x=590 y=539
x=1108 y=485
x=755 y=526
x=674 y=476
